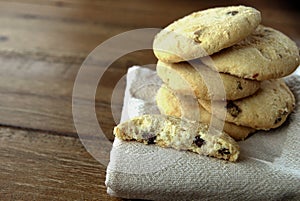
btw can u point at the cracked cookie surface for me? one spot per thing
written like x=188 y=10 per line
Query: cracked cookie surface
x=180 y=134
x=205 y=32
x=265 y=54
x=267 y=108
x=204 y=82
x=174 y=104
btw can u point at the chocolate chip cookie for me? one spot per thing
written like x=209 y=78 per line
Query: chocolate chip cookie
x=265 y=54
x=175 y=104
x=266 y=109
x=180 y=134
x=205 y=32
x=204 y=82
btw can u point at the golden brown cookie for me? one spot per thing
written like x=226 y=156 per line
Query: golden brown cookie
x=174 y=132
x=265 y=54
x=174 y=104
x=266 y=109
x=204 y=82
x=205 y=32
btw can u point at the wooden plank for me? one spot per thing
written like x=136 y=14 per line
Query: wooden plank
x=63 y=30
x=37 y=92
x=39 y=166
x=77 y=28
x=41 y=98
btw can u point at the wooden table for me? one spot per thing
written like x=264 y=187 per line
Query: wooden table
x=42 y=46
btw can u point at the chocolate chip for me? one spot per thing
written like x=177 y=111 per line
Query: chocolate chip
x=280 y=56
x=267 y=30
x=198 y=141
x=239 y=85
x=151 y=140
x=197 y=35
x=255 y=75
x=278 y=119
x=149 y=137
x=224 y=151
x=233 y=109
x=260 y=35
x=232 y=12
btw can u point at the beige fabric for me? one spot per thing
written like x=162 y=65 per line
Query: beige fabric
x=268 y=168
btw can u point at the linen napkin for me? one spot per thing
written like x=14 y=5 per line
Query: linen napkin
x=268 y=167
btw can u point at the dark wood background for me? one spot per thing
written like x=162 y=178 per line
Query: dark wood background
x=42 y=45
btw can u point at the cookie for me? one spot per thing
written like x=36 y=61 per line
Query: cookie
x=174 y=132
x=175 y=104
x=265 y=54
x=185 y=78
x=205 y=32
x=266 y=109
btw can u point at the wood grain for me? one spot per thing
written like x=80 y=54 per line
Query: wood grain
x=39 y=166
x=37 y=93
x=43 y=26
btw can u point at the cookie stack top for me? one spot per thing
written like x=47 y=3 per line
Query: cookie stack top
x=235 y=41
x=227 y=44
x=205 y=32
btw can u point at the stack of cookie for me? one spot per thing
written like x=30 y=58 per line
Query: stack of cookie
x=223 y=57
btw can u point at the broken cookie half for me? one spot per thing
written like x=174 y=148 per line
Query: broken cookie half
x=180 y=134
